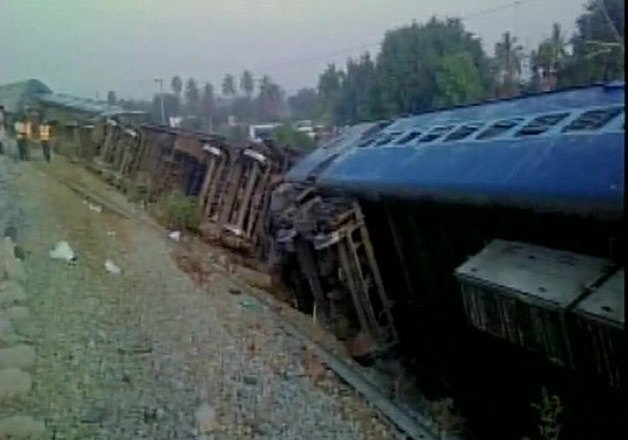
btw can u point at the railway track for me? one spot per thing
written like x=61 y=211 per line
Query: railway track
x=413 y=427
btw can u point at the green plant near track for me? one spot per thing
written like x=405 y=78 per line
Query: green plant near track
x=179 y=211
x=549 y=411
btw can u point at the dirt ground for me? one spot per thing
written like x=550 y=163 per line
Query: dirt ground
x=150 y=352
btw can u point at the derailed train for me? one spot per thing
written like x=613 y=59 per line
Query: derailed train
x=500 y=218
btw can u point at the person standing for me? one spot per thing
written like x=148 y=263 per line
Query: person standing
x=29 y=137
x=21 y=134
x=45 y=137
x=2 y=131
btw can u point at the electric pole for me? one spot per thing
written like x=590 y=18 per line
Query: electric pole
x=160 y=81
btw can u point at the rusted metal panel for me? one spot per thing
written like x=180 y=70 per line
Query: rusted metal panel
x=191 y=145
x=239 y=211
x=341 y=269
x=87 y=142
x=217 y=159
x=169 y=160
x=521 y=293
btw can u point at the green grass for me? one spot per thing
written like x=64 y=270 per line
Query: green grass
x=178 y=211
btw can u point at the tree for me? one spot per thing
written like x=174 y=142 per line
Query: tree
x=457 y=81
x=360 y=97
x=329 y=87
x=411 y=58
x=269 y=100
x=177 y=85
x=508 y=56
x=548 y=59
x=192 y=96
x=303 y=103
x=598 y=45
x=228 y=86
x=247 y=84
x=171 y=106
x=243 y=108
x=207 y=105
x=287 y=136
x=111 y=97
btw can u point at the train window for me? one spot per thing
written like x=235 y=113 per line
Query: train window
x=332 y=143
x=386 y=138
x=462 y=132
x=499 y=128
x=593 y=119
x=435 y=133
x=541 y=124
x=382 y=139
x=408 y=138
x=322 y=166
x=366 y=142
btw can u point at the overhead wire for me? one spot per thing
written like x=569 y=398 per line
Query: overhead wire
x=371 y=44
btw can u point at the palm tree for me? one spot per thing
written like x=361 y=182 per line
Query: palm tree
x=207 y=104
x=228 y=86
x=557 y=43
x=270 y=99
x=547 y=60
x=508 y=56
x=177 y=85
x=246 y=83
x=192 y=95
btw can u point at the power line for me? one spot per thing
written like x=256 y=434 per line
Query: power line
x=346 y=50
x=513 y=4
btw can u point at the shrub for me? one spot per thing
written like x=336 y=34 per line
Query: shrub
x=179 y=211
x=549 y=410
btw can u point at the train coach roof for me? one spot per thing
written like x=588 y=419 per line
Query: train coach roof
x=561 y=151
x=86 y=105
x=219 y=140
x=313 y=164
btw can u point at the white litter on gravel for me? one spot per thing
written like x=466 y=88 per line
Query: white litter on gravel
x=175 y=235
x=112 y=268
x=94 y=208
x=63 y=251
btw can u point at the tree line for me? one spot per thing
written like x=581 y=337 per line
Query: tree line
x=419 y=67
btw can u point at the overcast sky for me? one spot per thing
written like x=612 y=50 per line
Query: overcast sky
x=86 y=47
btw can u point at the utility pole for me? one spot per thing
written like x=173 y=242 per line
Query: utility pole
x=160 y=81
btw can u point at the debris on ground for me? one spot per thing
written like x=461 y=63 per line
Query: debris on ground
x=111 y=267
x=175 y=235
x=131 y=357
x=63 y=251
x=235 y=291
x=249 y=303
x=95 y=208
x=205 y=419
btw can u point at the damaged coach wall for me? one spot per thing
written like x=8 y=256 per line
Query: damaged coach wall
x=531 y=187
x=439 y=187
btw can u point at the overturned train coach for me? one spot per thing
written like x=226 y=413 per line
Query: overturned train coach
x=431 y=234
x=498 y=221
x=232 y=183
